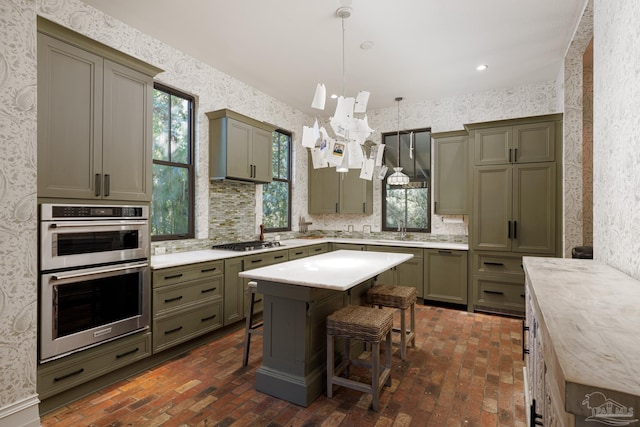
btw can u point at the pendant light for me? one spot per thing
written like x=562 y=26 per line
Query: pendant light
x=398 y=178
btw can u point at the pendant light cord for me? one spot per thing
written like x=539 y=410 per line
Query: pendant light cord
x=344 y=62
x=398 y=99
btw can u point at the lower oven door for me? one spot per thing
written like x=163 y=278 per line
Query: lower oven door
x=83 y=308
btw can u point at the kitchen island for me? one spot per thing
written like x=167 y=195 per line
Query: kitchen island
x=298 y=297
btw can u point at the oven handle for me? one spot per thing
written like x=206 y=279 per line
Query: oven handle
x=85 y=224
x=93 y=273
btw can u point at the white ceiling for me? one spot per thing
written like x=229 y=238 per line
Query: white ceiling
x=423 y=49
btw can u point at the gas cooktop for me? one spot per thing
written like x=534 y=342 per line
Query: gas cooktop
x=248 y=246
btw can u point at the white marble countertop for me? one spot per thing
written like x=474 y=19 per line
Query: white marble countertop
x=338 y=270
x=193 y=257
x=592 y=314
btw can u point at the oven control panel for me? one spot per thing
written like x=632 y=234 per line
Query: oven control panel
x=58 y=212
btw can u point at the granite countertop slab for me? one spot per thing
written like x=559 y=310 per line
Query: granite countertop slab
x=193 y=257
x=338 y=270
x=592 y=314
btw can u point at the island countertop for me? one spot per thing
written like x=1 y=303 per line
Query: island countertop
x=338 y=270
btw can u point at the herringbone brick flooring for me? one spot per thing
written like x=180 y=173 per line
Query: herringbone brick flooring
x=466 y=370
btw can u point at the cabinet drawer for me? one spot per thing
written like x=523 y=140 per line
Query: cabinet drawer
x=298 y=253
x=63 y=374
x=318 y=249
x=173 y=275
x=496 y=263
x=186 y=324
x=173 y=297
x=264 y=259
x=499 y=294
x=416 y=252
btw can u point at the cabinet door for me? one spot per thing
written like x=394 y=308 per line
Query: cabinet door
x=238 y=149
x=534 y=208
x=233 y=291
x=261 y=154
x=534 y=142
x=445 y=275
x=451 y=175
x=127 y=159
x=492 y=208
x=492 y=145
x=323 y=190
x=356 y=195
x=69 y=120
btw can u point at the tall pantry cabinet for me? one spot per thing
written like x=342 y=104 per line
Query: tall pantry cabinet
x=516 y=191
x=94 y=119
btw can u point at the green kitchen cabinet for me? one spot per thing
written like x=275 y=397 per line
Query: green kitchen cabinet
x=514 y=208
x=409 y=273
x=518 y=143
x=239 y=147
x=335 y=192
x=233 y=291
x=445 y=276
x=335 y=246
x=450 y=164
x=94 y=119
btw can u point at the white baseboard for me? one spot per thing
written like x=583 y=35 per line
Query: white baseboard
x=23 y=413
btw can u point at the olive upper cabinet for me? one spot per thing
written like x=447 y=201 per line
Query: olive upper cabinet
x=450 y=164
x=94 y=119
x=336 y=192
x=239 y=147
x=514 y=188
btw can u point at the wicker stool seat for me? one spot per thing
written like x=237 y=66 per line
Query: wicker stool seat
x=403 y=298
x=251 y=327
x=371 y=326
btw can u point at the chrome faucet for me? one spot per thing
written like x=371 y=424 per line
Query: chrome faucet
x=402 y=228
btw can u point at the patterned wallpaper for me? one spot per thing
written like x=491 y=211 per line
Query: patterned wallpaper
x=215 y=90
x=616 y=153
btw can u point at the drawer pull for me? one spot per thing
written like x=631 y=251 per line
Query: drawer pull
x=493 y=292
x=179 y=328
x=521 y=295
x=208 y=318
x=524 y=330
x=444 y=252
x=168 y=300
x=493 y=263
x=204 y=291
x=70 y=374
x=253 y=261
x=175 y=276
x=127 y=353
x=258 y=300
x=278 y=257
x=298 y=253
x=317 y=249
x=207 y=270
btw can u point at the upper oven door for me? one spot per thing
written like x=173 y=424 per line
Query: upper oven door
x=70 y=244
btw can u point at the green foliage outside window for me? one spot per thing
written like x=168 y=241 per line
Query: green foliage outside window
x=276 y=201
x=172 y=202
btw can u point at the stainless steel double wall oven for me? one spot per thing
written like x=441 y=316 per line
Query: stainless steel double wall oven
x=94 y=275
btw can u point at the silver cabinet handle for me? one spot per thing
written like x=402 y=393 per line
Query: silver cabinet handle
x=93 y=273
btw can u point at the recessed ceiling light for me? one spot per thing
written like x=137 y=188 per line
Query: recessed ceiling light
x=482 y=67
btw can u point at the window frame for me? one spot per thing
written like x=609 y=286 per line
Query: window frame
x=288 y=180
x=423 y=180
x=190 y=234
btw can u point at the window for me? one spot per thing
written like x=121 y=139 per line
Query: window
x=276 y=195
x=172 y=205
x=410 y=203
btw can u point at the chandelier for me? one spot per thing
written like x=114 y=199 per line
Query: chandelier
x=345 y=145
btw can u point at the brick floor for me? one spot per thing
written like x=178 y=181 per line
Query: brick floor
x=466 y=370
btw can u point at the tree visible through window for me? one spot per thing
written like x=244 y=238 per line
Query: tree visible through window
x=172 y=203
x=408 y=203
x=276 y=195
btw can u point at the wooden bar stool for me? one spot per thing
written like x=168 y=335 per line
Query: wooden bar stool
x=367 y=324
x=401 y=297
x=250 y=327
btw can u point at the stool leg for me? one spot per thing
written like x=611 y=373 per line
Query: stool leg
x=347 y=355
x=247 y=330
x=375 y=374
x=388 y=358
x=413 y=324
x=330 y=365
x=403 y=334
